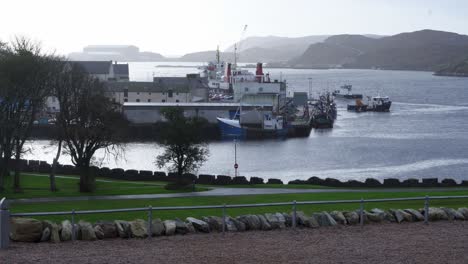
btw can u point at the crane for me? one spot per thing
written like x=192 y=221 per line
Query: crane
x=237 y=46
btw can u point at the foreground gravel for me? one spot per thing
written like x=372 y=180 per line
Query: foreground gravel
x=439 y=242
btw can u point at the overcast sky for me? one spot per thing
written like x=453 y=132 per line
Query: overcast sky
x=175 y=27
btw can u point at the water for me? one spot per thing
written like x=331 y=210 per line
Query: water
x=424 y=135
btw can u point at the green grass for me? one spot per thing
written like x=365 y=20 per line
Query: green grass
x=275 y=186
x=37 y=185
x=94 y=205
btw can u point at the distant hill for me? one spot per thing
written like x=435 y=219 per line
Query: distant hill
x=427 y=50
x=115 y=53
x=456 y=69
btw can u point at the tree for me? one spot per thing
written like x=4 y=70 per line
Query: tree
x=185 y=149
x=24 y=79
x=88 y=120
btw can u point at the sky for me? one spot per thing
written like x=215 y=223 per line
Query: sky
x=177 y=27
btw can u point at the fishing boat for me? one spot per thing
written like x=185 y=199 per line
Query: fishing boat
x=272 y=126
x=348 y=94
x=323 y=112
x=375 y=104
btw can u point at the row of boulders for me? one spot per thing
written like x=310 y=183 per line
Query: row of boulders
x=32 y=230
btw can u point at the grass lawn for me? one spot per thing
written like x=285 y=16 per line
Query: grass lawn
x=37 y=185
x=90 y=205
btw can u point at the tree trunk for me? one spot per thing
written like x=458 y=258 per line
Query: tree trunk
x=86 y=185
x=53 y=186
x=16 y=185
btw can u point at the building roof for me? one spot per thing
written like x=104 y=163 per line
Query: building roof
x=149 y=87
x=121 y=69
x=95 y=67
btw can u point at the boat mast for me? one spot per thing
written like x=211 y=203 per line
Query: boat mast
x=217 y=55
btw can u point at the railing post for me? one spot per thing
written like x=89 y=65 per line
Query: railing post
x=150 y=220
x=426 y=210
x=294 y=216
x=224 y=218
x=4 y=224
x=73 y=225
x=361 y=213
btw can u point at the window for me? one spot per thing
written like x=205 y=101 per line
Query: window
x=125 y=100
x=169 y=93
x=246 y=89
x=137 y=100
x=163 y=101
x=149 y=100
x=125 y=92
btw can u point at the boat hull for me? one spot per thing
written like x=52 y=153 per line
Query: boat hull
x=230 y=128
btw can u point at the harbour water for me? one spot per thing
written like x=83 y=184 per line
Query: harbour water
x=424 y=135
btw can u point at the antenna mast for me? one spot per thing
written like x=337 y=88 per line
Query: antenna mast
x=217 y=55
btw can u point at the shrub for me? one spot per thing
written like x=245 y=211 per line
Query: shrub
x=274 y=181
x=146 y=175
x=256 y=180
x=160 y=176
x=131 y=175
x=315 y=181
x=223 y=180
x=370 y=182
x=240 y=180
x=391 y=182
x=430 y=182
x=206 y=179
x=332 y=182
x=117 y=173
x=298 y=182
x=448 y=183
x=410 y=183
x=353 y=183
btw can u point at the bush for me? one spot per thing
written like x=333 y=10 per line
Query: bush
x=298 y=182
x=189 y=177
x=131 y=175
x=240 y=180
x=117 y=173
x=146 y=175
x=104 y=172
x=410 y=183
x=448 y=183
x=44 y=167
x=430 y=182
x=391 y=182
x=206 y=179
x=316 y=181
x=370 y=182
x=332 y=182
x=223 y=180
x=160 y=176
x=464 y=183
x=274 y=181
x=256 y=180
x=353 y=183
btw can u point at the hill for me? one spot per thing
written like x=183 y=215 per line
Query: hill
x=459 y=69
x=426 y=50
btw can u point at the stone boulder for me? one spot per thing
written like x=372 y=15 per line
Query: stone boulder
x=374 y=217
x=251 y=222
x=464 y=212
x=398 y=215
x=138 y=228
x=215 y=223
x=190 y=227
x=45 y=235
x=324 y=219
x=123 y=229
x=98 y=232
x=25 y=229
x=275 y=222
x=436 y=214
x=230 y=225
x=288 y=219
x=338 y=217
x=453 y=214
x=265 y=225
x=307 y=221
x=181 y=227
x=157 y=227
x=54 y=231
x=199 y=225
x=352 y=218
x=240 y=226
x=169 y=227
x=390 y=217
x=109 y=228
x=66 y=233
x=417 y=216
x=87 y=231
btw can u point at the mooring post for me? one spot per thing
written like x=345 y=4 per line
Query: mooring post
x=150 y=220
x=361 y=212
x=224 y=218
x=294 y=216
x=4 y=224
x=426 y=210
x=73 y=225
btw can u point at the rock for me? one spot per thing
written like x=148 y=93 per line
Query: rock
x=338 y=217
x=464 y=212
x=351 y=217
x=123 y=229
x=45 y=235
x=230 y=225
x=275 y=223
x=288 y=219
x=240 y=226
x=87 y=231
x=215 y=223
x=373 y=217
x=281 y=220
x=109 y=229
x=417 y=216
x=199 y=225
x=190 y=227
x=381 y=214
x=390 y=217
x=169 y=227
x=77 y=231
x=324 y=219
x=265 y=225
x=138 y=228
x=157 y=227
x=305 y=220
x=66 y=233
x=398 y=215
x=436 y=214
x=406 y=216
x=251 y=222
x=181 y=227
x=453 y=214
x=98 y=232
x=25 y=229
x=54 y=231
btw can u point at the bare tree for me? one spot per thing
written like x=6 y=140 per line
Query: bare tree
x=88 y=120
x=24 y=78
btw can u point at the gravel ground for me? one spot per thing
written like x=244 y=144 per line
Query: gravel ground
x=440 y=242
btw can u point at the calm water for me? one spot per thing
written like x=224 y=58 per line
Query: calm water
x=425 y=135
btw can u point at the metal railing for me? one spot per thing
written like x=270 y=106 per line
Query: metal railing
x=5 y=213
